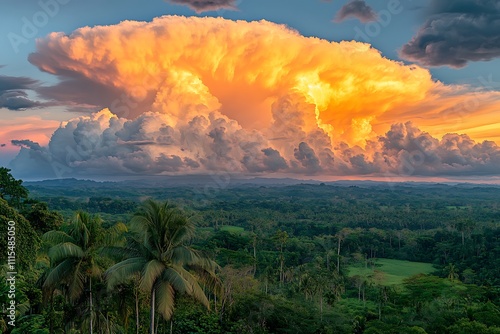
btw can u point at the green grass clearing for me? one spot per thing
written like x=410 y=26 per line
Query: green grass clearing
x=454 y=207
x=391 y=272
x=227 y=228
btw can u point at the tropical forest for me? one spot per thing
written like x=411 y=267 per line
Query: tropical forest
x=249 y=257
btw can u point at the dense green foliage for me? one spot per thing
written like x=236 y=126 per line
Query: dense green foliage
x=303 y=258
x=11 y=189
x=27 y=240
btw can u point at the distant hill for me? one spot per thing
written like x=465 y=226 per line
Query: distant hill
x=227 y=180
x=203 y=187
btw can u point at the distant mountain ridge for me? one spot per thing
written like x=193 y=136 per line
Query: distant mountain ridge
x=228 y=181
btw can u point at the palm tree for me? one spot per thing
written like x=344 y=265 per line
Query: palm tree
x=160 y=254
x=451 y=272
x=75 y=256
x=341 y=236
x=326 y=243
x=281 y=238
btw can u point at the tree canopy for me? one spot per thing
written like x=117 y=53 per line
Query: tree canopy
x=10 y=188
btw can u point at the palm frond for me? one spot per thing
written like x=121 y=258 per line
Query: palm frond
x=58 y=274
x=184 y=229
x=63 y=251
x=183 y=255
x=115 y=235
x=79 y=229
x=76 y=282
x=150 y=273
x=175 y=279
x=165 y=297
x=122 y=271
x=56 y=237
x=209 y=280
x=195 y=290
x=118 y=253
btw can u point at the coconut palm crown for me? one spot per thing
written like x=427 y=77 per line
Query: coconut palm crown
x=160 y=253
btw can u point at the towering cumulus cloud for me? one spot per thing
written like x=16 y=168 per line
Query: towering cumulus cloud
x=206 y=94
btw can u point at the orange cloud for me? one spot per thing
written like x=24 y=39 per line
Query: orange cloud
x=210 y=93
x=181 y=65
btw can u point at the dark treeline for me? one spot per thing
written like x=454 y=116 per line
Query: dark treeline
x=285 y=257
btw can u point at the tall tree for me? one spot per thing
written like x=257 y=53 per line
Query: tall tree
x=11 y=189
x=451 y=272
x=281 y=238
x=341 y=235
x=326 y=245
x=75 y=256
x=160 y=253
x=40 y=217
x=465 y=226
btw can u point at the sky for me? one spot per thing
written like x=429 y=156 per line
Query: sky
x=356 y=89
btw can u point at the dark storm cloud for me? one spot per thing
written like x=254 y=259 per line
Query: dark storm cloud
x=84 y=95
x=273 y=160
x=27 y=144
x=17 y=100
x=458 y=31
x=463 y=6
x=13 y=95
x=12 y=83
x=206 y=5
x=358 y=9
x=267 y=160
x=307 y=157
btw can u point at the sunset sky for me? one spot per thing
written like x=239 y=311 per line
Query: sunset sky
x=300 y=88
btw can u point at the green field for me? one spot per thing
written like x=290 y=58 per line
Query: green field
x=391 y=272
x=454 y=207
x=227 y=228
